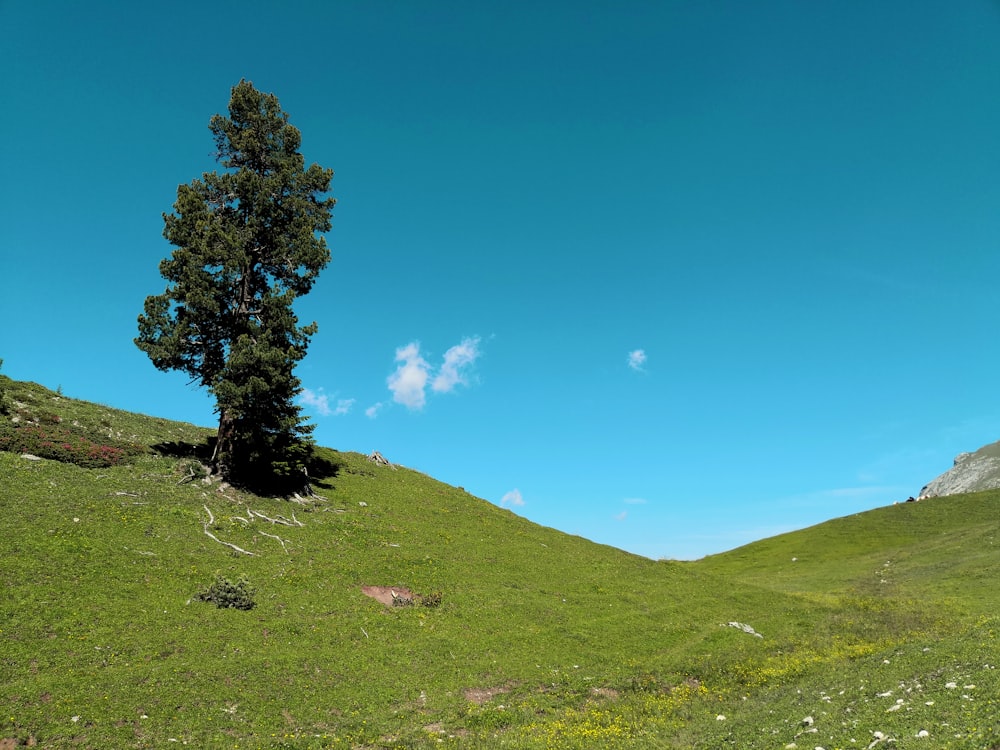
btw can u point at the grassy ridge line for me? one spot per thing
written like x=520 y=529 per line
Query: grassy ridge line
x=541 y=640
x=947 y=549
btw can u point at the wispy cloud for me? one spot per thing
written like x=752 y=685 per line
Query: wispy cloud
x=409 y=382
x=456 y=361
x=320 y=403
x=621 y=516
x=636 y=359
x=842 y=498
x=372 y=411
x=512 y=499
x=316 y=400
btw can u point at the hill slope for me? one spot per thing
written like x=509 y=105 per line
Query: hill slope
x=538 y=639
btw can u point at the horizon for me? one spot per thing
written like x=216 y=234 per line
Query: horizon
x=674 y=279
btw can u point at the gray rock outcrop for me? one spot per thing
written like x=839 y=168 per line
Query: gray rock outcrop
x=971 y=472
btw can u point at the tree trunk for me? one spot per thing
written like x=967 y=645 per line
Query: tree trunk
x=222 y=455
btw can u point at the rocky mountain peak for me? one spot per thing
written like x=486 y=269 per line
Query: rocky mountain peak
x=971 y=472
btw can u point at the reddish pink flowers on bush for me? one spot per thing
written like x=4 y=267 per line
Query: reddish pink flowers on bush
x=60 y=445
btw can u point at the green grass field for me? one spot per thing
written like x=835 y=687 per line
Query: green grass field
x=879 y=630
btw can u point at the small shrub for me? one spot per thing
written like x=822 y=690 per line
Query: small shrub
x=430 y=600
x=226 y=594
x=61 y=445
x=423 y=600
x=51 y=438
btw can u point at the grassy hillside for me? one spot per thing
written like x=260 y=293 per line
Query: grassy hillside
x=518 y=636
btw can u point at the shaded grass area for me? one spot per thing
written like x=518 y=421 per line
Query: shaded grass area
x=541 y=639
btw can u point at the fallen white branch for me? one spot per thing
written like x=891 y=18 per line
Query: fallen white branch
x=210 y=535
x=275 y=536
x=745 y=628
x=305 y=503
x=278 y=519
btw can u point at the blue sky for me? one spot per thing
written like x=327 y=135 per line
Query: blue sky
x=670 y=276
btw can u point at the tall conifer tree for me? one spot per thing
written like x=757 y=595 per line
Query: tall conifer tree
x=248 y=242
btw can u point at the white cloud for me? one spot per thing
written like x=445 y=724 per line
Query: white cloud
x=317 y=400
x=320 y=402
x=636 y=359
x=409 y=382
x=372 y=411
x=621 y=516
x=456 y=360
x=635 y=501
x=512 y=499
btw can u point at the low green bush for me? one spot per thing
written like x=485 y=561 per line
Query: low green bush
x=430 y=600
x=61 y=445
x=226 y=594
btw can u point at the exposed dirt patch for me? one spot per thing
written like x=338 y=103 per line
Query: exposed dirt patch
x=479 y=696
x=386 y=594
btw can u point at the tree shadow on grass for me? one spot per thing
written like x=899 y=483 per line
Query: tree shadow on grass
x=181 y=449
x=322 y=466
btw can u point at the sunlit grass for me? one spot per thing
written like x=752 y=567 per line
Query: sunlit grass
x=541 y=640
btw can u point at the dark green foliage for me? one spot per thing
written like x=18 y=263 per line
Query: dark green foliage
x=423 y=600
x=430 y=600
x=247 y=244
x=227 y=594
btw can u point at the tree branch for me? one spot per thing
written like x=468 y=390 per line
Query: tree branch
x=275 y=536
x=210 y=535
x=279 y=520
